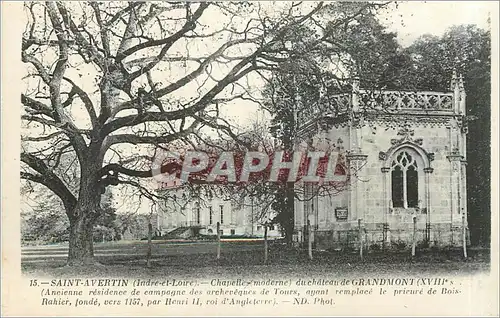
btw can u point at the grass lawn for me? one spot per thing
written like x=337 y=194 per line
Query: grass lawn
x=247 y=259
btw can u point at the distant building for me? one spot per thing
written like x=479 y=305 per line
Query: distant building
x=406 y=152
x=201 y=216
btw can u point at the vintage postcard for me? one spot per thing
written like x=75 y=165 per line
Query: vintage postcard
x=256 y=158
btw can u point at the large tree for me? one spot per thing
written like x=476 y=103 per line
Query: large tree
x=103 y=75
x=114 y=83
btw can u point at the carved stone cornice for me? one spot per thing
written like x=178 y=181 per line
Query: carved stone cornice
x=324 y=123
x=392 y=120
x=356 y=157
x=397 y=120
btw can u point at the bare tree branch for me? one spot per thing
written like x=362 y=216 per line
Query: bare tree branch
x=49 y=179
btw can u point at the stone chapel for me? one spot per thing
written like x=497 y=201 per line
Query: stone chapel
x=406 y=154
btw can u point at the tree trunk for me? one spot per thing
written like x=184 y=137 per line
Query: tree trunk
x=464 y=236
x=82 y=220
x=290 y=216
x=309 y=240
x=81 y=244
x=360 y=239
x=288 y=234
x=414 y=237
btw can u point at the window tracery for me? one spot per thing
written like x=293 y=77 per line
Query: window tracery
x=404 y=177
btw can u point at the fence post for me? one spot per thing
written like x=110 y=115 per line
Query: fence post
x=265 y=243
x=464 y=236
x=386 y=236
x=309 y=240
x=428 y=234
x=218 y=240
x=149 y=253
x=360 y=238
x=414 y=243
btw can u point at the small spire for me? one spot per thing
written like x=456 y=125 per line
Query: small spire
x=454 y=79
x=355 y=92
x=355 y=82
x=461 y=82
x=463 y=95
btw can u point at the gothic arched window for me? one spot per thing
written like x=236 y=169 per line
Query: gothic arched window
x=404 y=177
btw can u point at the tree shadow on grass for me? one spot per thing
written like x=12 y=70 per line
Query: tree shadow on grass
x=281 y=261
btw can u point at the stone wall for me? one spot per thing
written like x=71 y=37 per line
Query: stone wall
x=439 y=216
x=374 y=238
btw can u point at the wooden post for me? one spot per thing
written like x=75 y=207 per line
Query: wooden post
x=385 y=229
x=265 y=244
x=309 y=240
x=414 y=243
x=464 y=236
x=218 y=240
x=252 y=217
x=150 y=244
x=360 y=238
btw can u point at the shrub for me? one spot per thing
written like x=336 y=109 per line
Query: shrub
x=375 y=247
x=399 y=245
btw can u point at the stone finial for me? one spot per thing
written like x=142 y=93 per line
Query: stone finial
x=355 y=83
x=461 y=82
x=355 y=94
x=455 y=87
x=463 y=96
x=454 y=80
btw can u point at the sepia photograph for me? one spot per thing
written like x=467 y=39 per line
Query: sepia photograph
x=280 y=158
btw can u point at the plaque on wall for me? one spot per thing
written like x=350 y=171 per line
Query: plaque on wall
x=341 y=213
